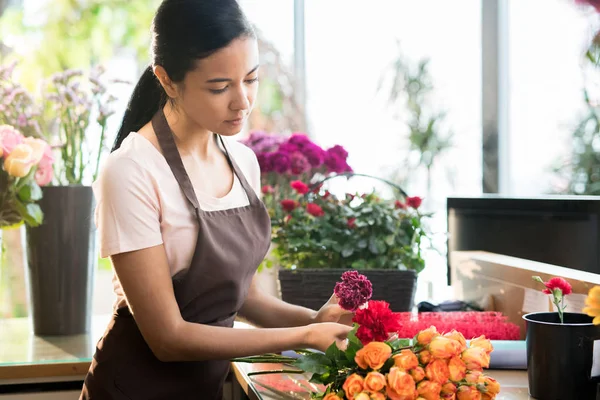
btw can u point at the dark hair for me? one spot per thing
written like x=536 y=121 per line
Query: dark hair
x=183 y=31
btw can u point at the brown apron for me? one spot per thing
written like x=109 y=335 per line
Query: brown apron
x=230 y=246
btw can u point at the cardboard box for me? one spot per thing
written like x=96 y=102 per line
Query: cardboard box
x=501 y=283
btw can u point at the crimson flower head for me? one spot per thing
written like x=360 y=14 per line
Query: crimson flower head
x=289 y=204
x=376 y=321
x=267 y=189
x=353 y=291
x=315 y=210
x=558 y=283
x=299 y=187
x=414 y=202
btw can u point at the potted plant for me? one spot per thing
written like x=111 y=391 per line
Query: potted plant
x=318 y=235
x=560 y=348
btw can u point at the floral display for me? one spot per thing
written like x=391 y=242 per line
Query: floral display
x=558 y=288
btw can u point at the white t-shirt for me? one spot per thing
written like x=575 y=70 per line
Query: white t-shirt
x=139 y=203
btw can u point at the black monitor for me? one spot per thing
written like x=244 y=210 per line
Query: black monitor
x=558 y=230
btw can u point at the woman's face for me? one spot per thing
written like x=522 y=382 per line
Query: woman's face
x=219 y=93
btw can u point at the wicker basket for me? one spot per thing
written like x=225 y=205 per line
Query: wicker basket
x=313 y=287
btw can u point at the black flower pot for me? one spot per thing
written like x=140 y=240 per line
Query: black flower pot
x=560 y=356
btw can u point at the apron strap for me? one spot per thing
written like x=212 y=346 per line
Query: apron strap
x=252 y=197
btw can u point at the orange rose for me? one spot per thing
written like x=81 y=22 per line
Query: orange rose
x=401 y=385
x=448 y=396
x=448 y=388
x=476 y=358
x=429 y=390
x=485 y=396
x=473 y=376
x=443 y=347
x=468 y=393
x=424 y=357
x=458 y=337
x=457 y=369
x=418 y=374
x=373 y=355
x=483 y=343
x=437 y=371
x=362 y=396
x=492 y=386
x=425 y=336
x=354 y=384
x=332 y=396
x=374 y=381
x=19 y=161
x=406 y=360
x=377 y=396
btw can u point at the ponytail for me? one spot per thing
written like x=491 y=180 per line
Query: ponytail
x=147 y=98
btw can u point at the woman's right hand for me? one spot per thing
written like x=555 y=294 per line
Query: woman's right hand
x=322 y=335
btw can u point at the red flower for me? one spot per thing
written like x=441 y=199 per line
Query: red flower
x=314 y=209
x=351 y=222
x=267 y=189
x=558 y=283
x=414 y=202
x=299 y=186
x=399 y=204
x=326 y=194
x=376 y=322
x=353 y=291
x=288 y=204
x=317 y=188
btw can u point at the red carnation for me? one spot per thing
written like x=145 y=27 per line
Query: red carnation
x=300 y=187
x=288 y=204
x=353 y=291
x=376 y=322
x=558 y=283
x=267 y=189
x=351 y=223
x=315 y=210
x=414 y=202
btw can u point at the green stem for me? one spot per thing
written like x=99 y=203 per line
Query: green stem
x=276 y=371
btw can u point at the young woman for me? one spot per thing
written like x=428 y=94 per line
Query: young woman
x=179 y=215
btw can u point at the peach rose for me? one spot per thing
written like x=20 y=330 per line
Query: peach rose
x=457 y=369
x=19 y=161
x=476 y=358
x=425 y=336
x=401 y=385
x=418 y=374
x=332 y=396
x=373 y=355
x=468 y=393
x=406 y=360
x=455 y=335
x=492 y=386
x=38 y=147
x=374 y=382
x=353 y=385
x=448 y=388
x=424 y=357
x=377 y=396
x=483 y=343
x=443 y=347
x=473 y=376
x=429 y=390
x=362 y=396
x=437 y=371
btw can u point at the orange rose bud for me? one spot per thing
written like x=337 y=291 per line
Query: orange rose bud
x=455 y=335
x=448 y=388
x=457 y=369
x=492 y=386
x=362 y=396
x=374 y=382
x=443 y=347
x=424 y=357
x=429 y=390
x=437 y=371
x=418 y=374
x=353 y=385
x=483 y=343
x=473 y=376
x=425 y=336
x=332 y=396
x=401 y=385
x=468 y=393
x=406 y=360
x=476 y=358
x=377 y=396
x=373 y=355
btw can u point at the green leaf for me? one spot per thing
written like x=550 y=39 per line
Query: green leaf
x=347 y=252
x=362 y=244
x=34 y=215
x=399 y=343
x=316 y=363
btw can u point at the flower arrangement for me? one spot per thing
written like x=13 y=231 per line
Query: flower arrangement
x=312 y=228
x=558 y=288
x=26 y=165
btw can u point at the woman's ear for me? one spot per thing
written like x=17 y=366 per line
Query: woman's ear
x=165 y=81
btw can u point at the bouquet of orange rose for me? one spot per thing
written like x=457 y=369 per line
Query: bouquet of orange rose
x=377 y=365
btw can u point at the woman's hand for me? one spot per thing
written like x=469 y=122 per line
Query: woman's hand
x=322 y=335
x=332 y=312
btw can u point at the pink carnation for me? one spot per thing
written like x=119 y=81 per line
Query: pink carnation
x=353 y=291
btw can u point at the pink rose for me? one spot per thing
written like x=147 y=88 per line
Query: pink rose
x=9 y=139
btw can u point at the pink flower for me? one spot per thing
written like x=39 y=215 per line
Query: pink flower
x=558 y=283
x=267 y=189
x=299 y=163
x=44 y=174
x=299 y=187
x=315 y=210
x=9 y=139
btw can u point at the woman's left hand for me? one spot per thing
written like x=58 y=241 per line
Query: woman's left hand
x=332 y=312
